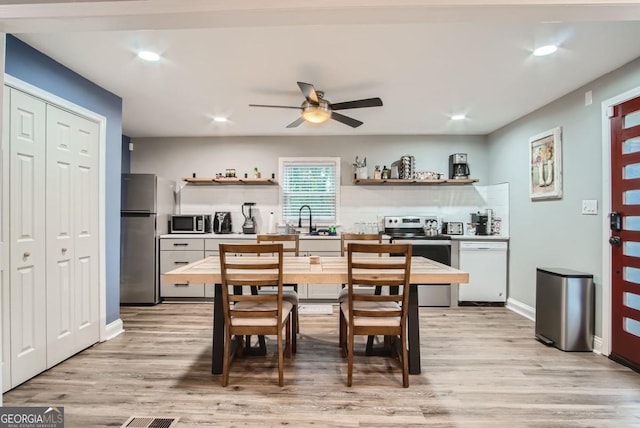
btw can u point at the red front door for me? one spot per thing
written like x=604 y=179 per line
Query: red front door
x=625 y=233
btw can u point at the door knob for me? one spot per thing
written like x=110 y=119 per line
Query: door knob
x=615 y=241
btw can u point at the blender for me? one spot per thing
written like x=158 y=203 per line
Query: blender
x=249 y=225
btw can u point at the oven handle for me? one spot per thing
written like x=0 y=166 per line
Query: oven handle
x=421 y=242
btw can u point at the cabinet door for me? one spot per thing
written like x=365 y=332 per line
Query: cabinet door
x=27 y=237
x=72 y=234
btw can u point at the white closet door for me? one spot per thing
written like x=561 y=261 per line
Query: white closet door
x=86 y=233
x=4 y=268
x=72 y=270
x=27 y=236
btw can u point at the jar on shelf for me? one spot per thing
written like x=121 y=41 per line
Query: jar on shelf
x=377 y=173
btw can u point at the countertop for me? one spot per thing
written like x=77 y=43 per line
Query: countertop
x=252 y=237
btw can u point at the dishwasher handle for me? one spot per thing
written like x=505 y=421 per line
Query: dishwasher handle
x=483 y=246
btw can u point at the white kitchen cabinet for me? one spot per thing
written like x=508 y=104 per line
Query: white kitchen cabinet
x=50 y=283
x=176 y=252
x=486 y=263
x=322 y=248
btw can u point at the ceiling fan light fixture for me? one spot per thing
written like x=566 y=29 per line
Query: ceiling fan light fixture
x=545 y=50
x=149 y=56
x=316 y=114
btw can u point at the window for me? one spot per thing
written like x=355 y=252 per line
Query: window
x=310 y=181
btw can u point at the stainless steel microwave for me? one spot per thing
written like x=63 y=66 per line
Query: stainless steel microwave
x=190 y=223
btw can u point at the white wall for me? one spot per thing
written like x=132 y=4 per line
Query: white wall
x=175 y=158
x=553 y=233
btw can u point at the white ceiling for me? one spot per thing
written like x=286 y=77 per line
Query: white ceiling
x=425 y=59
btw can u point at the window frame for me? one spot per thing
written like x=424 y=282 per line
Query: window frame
x=302 y=161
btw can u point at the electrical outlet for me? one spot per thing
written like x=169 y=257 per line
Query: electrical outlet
x=589 y=207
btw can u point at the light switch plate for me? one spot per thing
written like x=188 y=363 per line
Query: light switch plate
x=589 y=207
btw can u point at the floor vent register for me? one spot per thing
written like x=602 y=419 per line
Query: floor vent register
x=149 y=422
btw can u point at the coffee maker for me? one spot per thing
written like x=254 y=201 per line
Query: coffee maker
x=222 y=222
x=249 y=225
x=458 y=166
x=482 y=222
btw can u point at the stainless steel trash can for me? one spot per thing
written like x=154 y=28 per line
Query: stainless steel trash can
x=564 y=308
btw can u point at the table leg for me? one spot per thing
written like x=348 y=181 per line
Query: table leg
x=217 y=351
x=413 y=330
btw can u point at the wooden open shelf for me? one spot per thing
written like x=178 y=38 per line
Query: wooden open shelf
x=225 y=180
x=372 y=181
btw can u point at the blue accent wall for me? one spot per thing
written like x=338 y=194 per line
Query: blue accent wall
x=32 y=66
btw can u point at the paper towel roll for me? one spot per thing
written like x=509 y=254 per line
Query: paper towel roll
x=272 y=223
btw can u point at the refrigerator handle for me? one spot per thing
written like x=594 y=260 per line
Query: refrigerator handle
x=147 y=212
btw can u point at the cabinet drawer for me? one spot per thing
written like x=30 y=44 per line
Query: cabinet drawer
x=181 y=244
x=181 y=290
x=212 y=244
x=170 y=260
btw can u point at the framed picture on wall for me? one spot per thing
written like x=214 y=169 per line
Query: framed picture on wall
x=545 y=165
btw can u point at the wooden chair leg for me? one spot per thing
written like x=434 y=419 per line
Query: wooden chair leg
x=295 y=328
x=226 y=359
x=350 y=356
x=288 y=342
x=405 y=360
x=280 y=359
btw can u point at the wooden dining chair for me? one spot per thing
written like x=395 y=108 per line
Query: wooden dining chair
x=262 y=314
x=290 y=245
x=345 y=239
x=372 y=314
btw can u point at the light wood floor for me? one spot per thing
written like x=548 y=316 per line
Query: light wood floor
x=480 y=367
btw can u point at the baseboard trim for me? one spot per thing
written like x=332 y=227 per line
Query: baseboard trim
x=521 y=308
x=597 y=345
x=113 y=329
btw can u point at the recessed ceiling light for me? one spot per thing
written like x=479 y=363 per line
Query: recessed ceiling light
x=545 y=50
x=148 y=56
x=220 y=119
x=458 y=117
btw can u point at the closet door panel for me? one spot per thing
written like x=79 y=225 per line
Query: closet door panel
x=86 y=233
x=27 y=236
x=60 y=236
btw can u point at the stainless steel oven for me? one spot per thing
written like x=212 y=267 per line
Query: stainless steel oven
x=411 y=229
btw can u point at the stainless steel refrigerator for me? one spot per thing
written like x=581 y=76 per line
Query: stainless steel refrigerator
x=147 y=201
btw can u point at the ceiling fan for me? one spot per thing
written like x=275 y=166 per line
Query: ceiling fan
x=316 y=109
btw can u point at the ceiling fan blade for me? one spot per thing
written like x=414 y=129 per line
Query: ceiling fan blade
x=309 y=92
x=368 y=102
x=346 y=119
x=296 y=122
x=271 y=106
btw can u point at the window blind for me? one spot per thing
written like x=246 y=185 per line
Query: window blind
x=312 y=183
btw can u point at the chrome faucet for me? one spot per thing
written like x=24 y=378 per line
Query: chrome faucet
x=311 y=228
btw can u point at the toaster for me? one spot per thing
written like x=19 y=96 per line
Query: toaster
x=452 y=228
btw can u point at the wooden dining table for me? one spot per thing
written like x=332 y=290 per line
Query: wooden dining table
x=317 y=271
